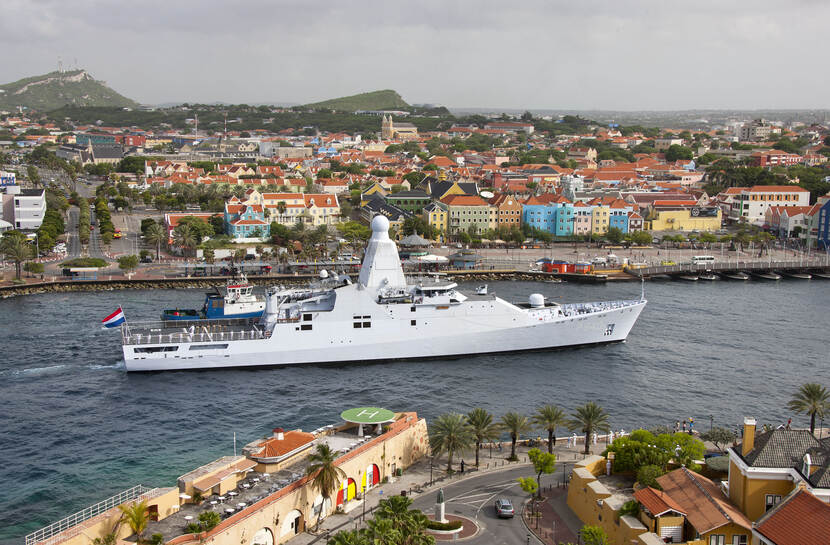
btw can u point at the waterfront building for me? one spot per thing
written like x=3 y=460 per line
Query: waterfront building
x=751 y=204
x=766 y=467
x=436 y=214
x=818 y=224
x=258 y=506
x=469 y=213
x=508 y=210
x=583 y=212
x=539 y=212
x=314 y=209
x=686 y=215
x=24 y=209
x=599 y=218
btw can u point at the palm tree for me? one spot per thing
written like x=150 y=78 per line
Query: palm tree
x=15 y=247
x=515 y=424
x=550 y=417
x=325 y=476
x=450 y=433
x=483 y=428
x=184 y=236
x=813 y=399
x=136 y=516
x=589 y=418
x=155 y=235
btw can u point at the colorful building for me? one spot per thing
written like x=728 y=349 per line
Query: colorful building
x=469 y=213
x=245 y=220
x=436 y=214
x=508 y=210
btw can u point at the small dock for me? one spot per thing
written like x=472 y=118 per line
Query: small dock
x=755 y=268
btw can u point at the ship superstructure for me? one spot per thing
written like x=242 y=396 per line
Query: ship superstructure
x=380 y=317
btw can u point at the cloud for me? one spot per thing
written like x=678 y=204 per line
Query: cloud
x=638 y=54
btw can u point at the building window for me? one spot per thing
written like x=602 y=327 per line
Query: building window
x=771 y=501
x=739 y=539
x=718 y=539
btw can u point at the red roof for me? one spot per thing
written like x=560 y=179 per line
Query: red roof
x=801 y=519
x=464 y=200
x=657 y=501
x=292 y=440
x=771 y=188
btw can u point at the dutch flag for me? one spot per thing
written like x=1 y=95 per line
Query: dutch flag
x=115 y=319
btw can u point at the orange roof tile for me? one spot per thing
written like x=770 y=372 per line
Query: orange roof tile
x=801 y=519
x=657 y=501
x=292 y=440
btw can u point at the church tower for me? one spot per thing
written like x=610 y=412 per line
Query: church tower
x=386 y=131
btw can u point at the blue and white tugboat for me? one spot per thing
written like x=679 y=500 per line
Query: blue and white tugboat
x=238 y=301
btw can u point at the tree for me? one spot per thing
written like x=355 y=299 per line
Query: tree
x=640 y=238
x=529 y=485
x=812 y=399
x=15 y=247
x=718 y=436
x=325 y=476
x=209 y=520
x=155 y=235
x=217 y=222
x=33 y=268
x=209 y=255
x=614 y=235
x=543 y=462
x=514 y=424
x=589 y=418
x=128 y=263
x=136 y=516
x=450 y=433
x=593 y=535
x=677 y=152
x=481 y=423
x=647 y=476
x=33 y=175
x=548 y=418
x=185 y=237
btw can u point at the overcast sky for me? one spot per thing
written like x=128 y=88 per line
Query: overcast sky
x=573 y=54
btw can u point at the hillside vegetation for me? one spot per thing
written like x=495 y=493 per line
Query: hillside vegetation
x=375 y=100
x=58 y=89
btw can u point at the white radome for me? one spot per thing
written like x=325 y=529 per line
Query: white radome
x=380 y=224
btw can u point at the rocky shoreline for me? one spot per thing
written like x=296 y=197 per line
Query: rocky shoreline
x=270 y=280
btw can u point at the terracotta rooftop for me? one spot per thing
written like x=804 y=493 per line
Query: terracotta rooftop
x=705 y=505
x=292 y=440
x=801 y=519
x=657 y=501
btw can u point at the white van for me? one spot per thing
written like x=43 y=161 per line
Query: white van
x=703 y=259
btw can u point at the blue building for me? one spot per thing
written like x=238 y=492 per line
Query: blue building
x=564 y=219
x=539 y=214
x=823 y=224
x=245 y=220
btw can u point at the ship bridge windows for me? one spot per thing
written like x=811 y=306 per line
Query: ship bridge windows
x=361 y=322
x=307 y=317
x=208 y=346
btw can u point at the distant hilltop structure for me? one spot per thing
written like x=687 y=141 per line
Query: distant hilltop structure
x=397 y=131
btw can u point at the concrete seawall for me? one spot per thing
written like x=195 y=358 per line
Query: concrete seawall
x=270 y=280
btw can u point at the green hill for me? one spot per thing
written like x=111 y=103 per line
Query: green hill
x=376 y=100
x=57 y=89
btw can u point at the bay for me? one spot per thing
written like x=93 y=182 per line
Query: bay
x=76 y=428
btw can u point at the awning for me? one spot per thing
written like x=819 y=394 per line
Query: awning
x=210 y=481
x=184 y=496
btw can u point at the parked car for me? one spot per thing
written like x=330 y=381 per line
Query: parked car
x=504 y=508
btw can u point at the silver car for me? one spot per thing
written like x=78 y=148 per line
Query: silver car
x=504 y=509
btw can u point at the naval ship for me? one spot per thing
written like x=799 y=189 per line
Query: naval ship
x=380 y=317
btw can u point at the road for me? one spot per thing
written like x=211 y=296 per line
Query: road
x=73 y=243
x=474 y=498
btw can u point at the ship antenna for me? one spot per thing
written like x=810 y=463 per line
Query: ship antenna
x=642 y=288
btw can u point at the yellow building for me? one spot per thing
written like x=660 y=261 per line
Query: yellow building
x=766 y=467
x=281 y=505
x=599 y=219
x=437 y=216
x=683 y=220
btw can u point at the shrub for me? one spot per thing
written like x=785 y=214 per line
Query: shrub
x=193 y=528
x=157 y=539
x=445 y=526
x=631 y=507
x=648 y=474
x=718 y=463
x=209 y=519
x=85 y=262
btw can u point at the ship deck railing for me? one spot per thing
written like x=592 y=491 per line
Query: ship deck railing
x=188 y=331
